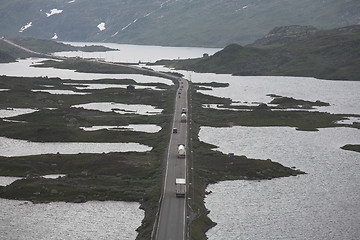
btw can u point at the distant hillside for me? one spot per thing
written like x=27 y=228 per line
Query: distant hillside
x=50 y=46
x=5 y=57
x=326 y=54
x=168 y=22
x=9 y=53
x=280 y=35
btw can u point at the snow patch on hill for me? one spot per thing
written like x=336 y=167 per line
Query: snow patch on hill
x=53 y=11
x=23 y=28
x=101 y=26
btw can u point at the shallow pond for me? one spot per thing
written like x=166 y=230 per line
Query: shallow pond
x=148 y=128
x=121 y=108
x=12 y=112
x=14 y=147
x=60 y=92
x=97 y=86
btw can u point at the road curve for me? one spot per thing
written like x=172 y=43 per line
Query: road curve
x=171 y=224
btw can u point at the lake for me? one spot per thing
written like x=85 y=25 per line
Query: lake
x=323 y=204
x=128 y=53
x=343 y=96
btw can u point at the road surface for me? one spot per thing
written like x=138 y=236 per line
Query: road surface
x=172 y=214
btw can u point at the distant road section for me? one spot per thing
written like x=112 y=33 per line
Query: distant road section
x=20 y=47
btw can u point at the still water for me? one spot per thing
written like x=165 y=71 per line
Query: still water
x=134 y=53
x=148 y=128
x=91 y=220
x=58 y=220
x=15 y=147
x=121 y=108
x=323 y=204
x=343 y=96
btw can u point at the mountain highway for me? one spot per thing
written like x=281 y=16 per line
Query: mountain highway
x=171 y=223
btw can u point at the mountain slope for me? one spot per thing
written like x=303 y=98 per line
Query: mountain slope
x=327 y=54
x=168 y=22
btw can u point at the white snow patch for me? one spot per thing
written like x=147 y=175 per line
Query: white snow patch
x=55 y=36
x=25 y=27
x=101 y=26
x=53 y=11
x=72 y=1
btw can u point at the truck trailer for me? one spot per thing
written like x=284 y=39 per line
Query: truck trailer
x=180 y=187
x=183 y=117
x=181 y=151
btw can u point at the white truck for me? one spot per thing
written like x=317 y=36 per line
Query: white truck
x=183 y=117
x=180 y=187
x=181 y=151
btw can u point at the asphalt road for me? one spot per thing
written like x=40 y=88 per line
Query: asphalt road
x=172 y=215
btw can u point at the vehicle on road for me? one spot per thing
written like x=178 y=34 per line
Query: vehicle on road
x=183 y=117
x=180 y=187
x=181 y=151
x=175 y=130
